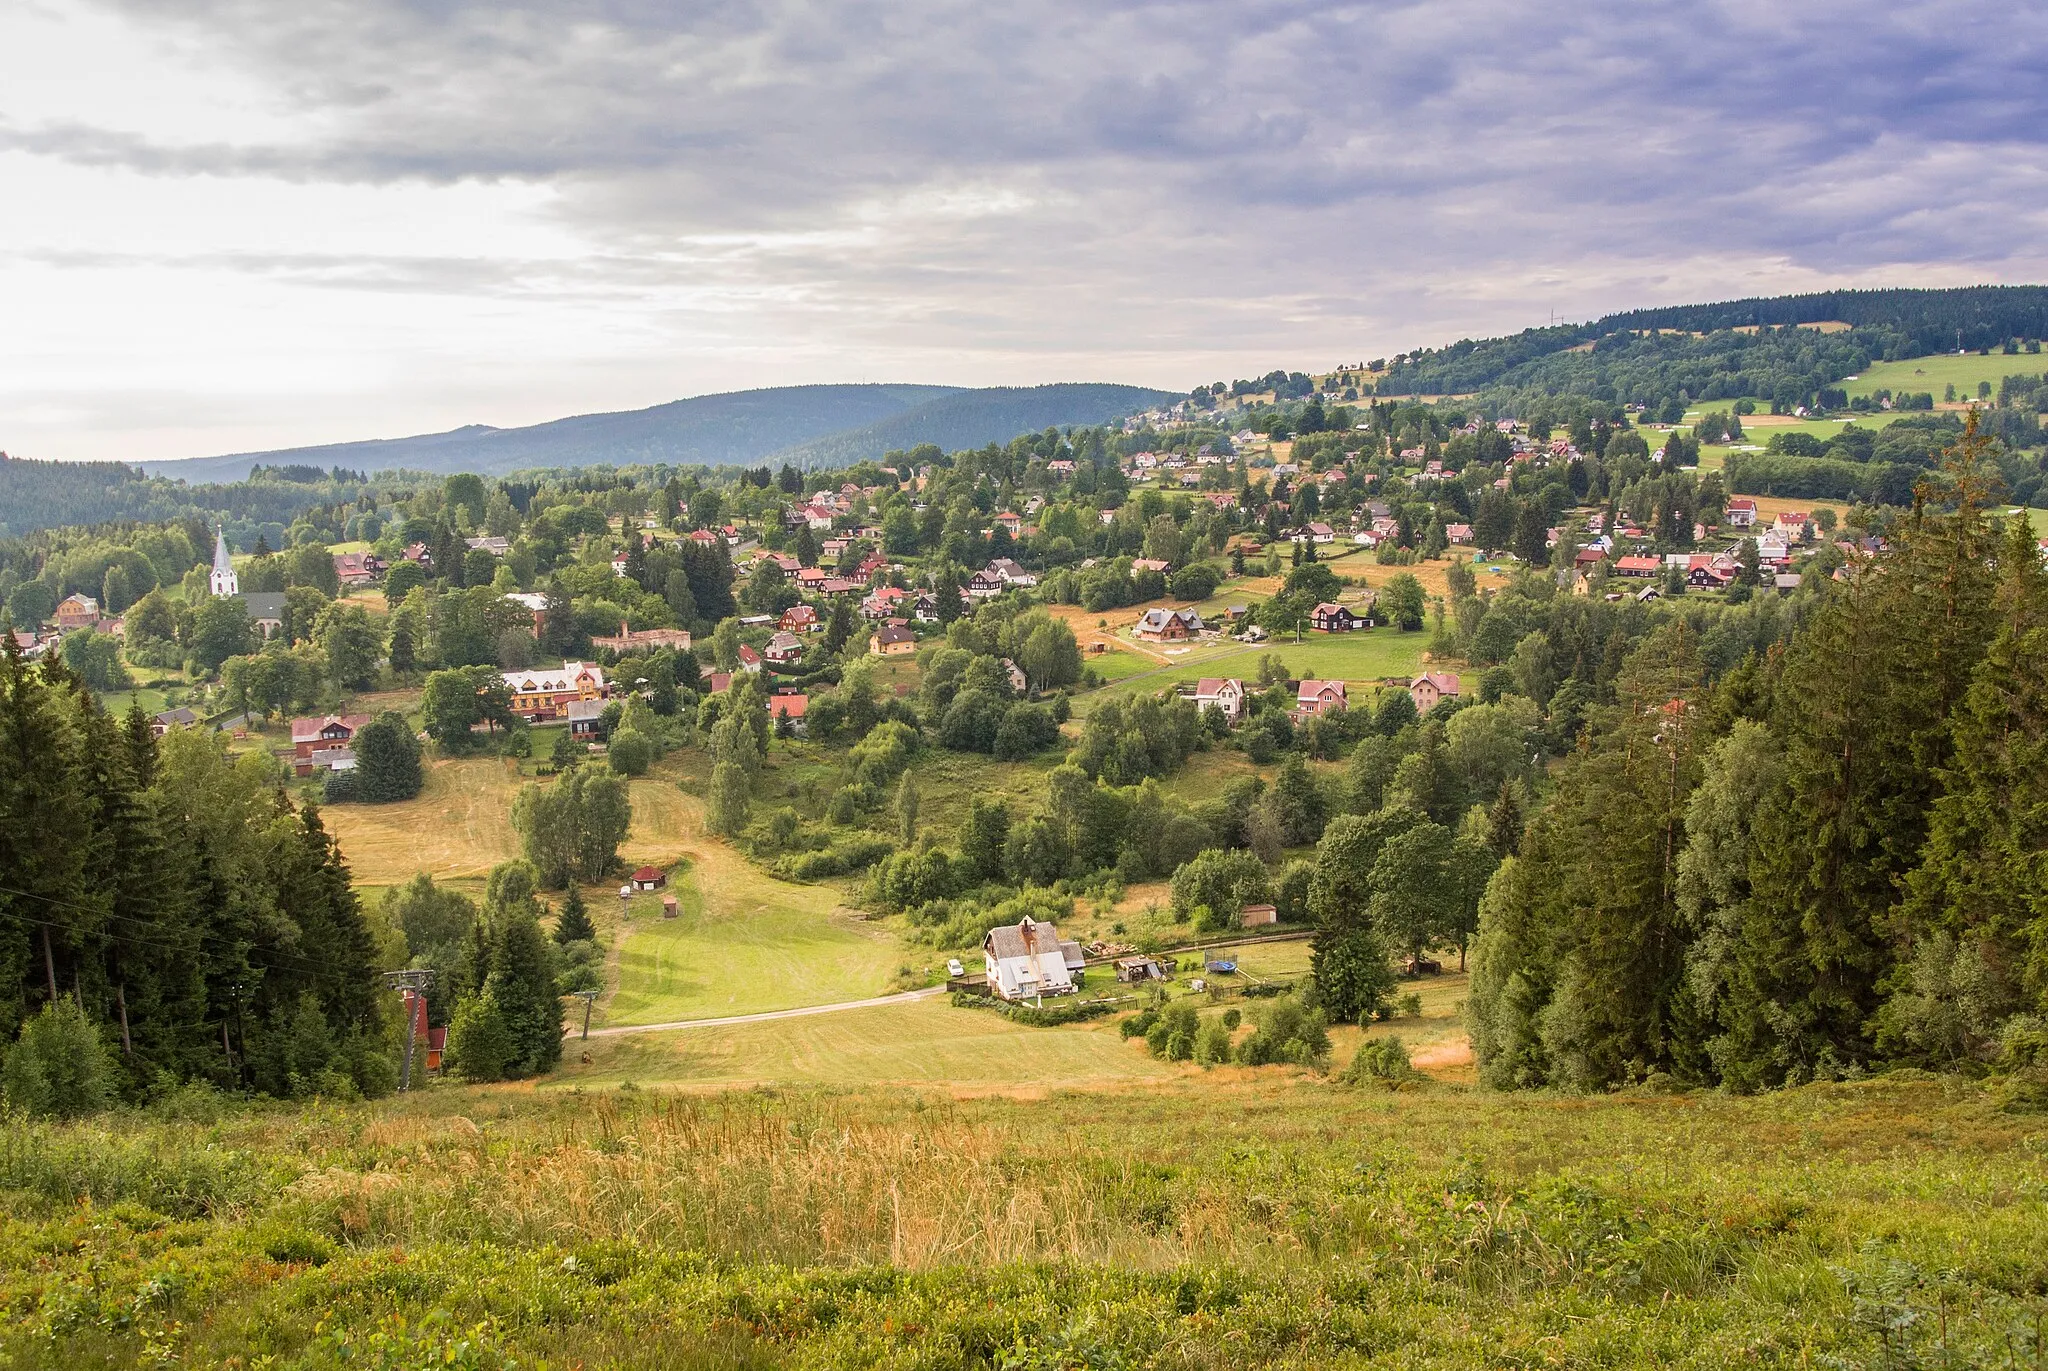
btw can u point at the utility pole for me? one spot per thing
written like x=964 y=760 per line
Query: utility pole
x=412 y=986
x=589 y=997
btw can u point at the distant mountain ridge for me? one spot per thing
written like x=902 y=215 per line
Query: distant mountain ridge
x=810 y=425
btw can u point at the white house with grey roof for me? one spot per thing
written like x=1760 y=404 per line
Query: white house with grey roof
x=1029 y=961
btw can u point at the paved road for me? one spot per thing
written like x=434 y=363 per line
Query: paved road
x=906 y=997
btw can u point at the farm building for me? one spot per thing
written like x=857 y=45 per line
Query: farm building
x=1029 y=961
x=1258 y=915
x=648 y=878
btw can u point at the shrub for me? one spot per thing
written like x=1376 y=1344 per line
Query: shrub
x=1212 y=1044
x=1380 y=1061
x=1288 y=1032
x=58 y=1068
x=1172 y=1035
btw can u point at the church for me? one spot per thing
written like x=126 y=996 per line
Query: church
x=266 y=607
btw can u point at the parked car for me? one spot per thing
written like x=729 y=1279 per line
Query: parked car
x=953 y=967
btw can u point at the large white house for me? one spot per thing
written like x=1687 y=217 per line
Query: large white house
x=1029 y=961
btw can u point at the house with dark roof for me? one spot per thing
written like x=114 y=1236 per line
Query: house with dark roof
x=783 y=648
x=1330 y=617
x=1168 y=625
x=1030 y=961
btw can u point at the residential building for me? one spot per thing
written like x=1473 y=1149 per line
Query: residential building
x=545 y=693
x=648 y=878
x=586 y=720
x=1639 y=565
x=1740 y=513
x=1330 y=617
x=783 y=648
x=329 y=734
x=1169 y=625
x=892 y=640
x=78 y=611
x=172 y=718
x=1432 y=686
x=790 y=709
x=799 y=619
x=1011 y=574
x=1029 y=961
x=1320 y=697
x=1225 y=694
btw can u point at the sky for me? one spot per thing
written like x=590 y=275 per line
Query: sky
x=231 y=225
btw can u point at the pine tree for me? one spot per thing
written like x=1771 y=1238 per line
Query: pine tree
x=573 y=923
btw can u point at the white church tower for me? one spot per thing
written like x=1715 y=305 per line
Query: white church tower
x=223 y=579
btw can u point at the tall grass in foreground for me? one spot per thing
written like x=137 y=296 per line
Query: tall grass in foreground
x=1242 y=1222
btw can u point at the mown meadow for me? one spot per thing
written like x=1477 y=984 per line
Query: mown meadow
x=1230 y=1219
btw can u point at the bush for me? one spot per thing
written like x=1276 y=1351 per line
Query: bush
x=1380 y=1061
x=1034 y=1016
x=58 y=1068
x=1212 y=1044
x=1172 y=1034
x=1288 y=1032
x=340 y=788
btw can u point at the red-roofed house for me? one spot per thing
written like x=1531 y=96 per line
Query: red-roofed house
x=648 y=878
x=1638 y=565
x=1432 y=686
x=1320 y=697
x=1741 y=513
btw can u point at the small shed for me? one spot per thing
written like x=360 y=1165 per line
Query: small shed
x=668 y=907
x=1130 y=970
x=649 y=878
x=1258 y=915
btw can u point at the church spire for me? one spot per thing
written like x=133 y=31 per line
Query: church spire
x=223 y=581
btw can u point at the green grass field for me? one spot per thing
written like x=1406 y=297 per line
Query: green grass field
x=1935 y=374
x=922 y=1042
x=1163 y=1217
x=750 y=947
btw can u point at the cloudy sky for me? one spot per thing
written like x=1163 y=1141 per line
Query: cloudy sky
x=236 y=224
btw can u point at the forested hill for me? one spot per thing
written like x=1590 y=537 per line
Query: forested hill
x=1699 y=352
x=971 y=418
x=731 y=429
x=809 y=425
x=36 y=495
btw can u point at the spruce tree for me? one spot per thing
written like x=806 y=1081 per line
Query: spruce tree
x=522 y=983
x=573 y=924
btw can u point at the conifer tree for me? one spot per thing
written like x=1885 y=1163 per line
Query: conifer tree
x=573 y=923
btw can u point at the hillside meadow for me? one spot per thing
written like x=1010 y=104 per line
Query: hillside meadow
x=1227 y=1219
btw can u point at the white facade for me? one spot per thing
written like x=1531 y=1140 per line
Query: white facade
x=223 y=582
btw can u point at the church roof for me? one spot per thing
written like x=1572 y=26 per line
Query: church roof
x=221 y=561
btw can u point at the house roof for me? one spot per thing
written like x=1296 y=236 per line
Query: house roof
x=263 y=604
x=785 y=642
x=1444 y=681
x=1315 y=690
x=580 y=710
x=788 y=706
x=567 y=676
x=308 y=730
x=180 y=715
x=1213 y=685
x=1024 y=939
x=893 y=634
x=647 y=873
x=1329 y=607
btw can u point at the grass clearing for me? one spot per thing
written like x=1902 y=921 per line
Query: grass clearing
x=925 y=1042
x=1934 y=374
x=1203 y=1219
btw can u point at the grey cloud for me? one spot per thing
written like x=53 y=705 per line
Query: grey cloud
x=1176 y=153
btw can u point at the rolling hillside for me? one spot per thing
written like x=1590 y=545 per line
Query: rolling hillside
x=733 y=428
x=809 y=425
x=971 y=418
